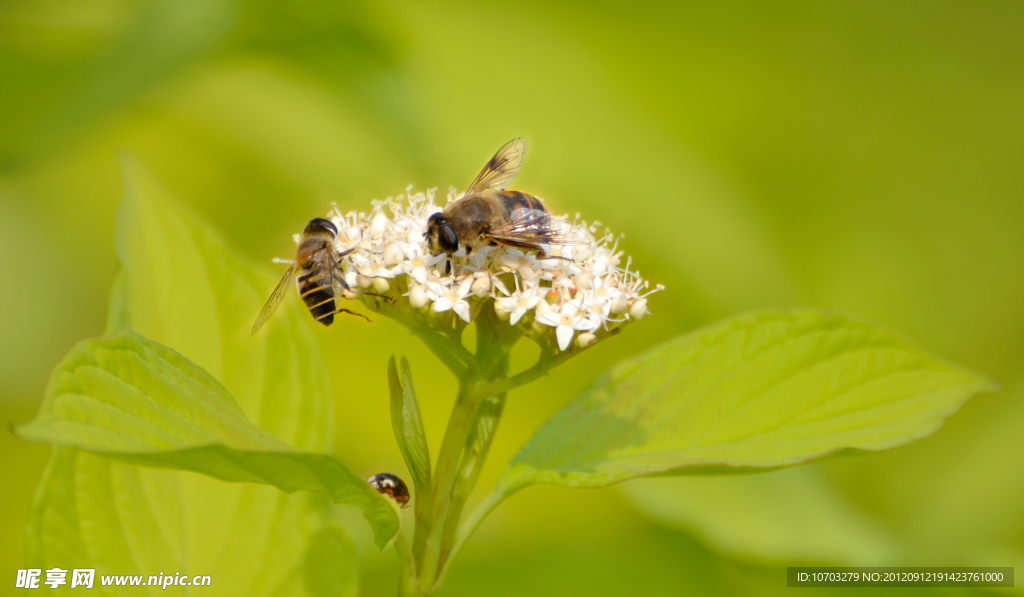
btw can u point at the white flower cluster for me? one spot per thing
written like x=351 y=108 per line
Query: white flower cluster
x=588 y=291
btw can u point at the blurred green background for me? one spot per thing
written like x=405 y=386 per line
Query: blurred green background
x=864 y=158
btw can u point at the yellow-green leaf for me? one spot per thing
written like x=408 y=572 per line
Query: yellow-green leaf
x=407 y=424
x=759 y=391
x=139 y=402
x=786 y=517
x=179 y=285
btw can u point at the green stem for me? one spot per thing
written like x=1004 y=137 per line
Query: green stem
x=484 y=382
x=446 y=347
x=494 y=341
x=427 y=543
x=407 y=583
x=548 y=360
x=473 y=458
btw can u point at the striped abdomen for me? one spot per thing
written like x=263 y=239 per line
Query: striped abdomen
x=513 y=201
x=316 y=287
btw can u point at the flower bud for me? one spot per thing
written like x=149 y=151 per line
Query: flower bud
x=392 y=254
x=581 y=281
x=586 y=253
x=586 y=339
x=378 y=224
x=638 y=309
x=526 y=273
x=501 y=311
x=363 y=281
x=481 y=286
x=381 y=285
x=620 y=305
x=543 y=307
x=418 y=297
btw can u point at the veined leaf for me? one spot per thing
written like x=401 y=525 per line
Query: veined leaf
x=181 y=287
x=760 y=391
x=137 y=401
x=408 y=424
x=95 y=512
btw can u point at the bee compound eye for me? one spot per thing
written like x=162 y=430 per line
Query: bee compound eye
x=449 y=239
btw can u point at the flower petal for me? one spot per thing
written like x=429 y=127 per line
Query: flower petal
x=441 y=304
x=564 y=334
x=552 y=318
x=461 y=308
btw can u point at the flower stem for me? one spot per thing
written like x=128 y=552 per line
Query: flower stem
x=427 y=543
x=484 y=381
x=408 y=586
x=473 y=458
x=493 y=344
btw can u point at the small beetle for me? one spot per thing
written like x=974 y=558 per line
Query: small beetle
x=391 y=486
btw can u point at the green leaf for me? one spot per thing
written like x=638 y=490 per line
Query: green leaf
x=408 y=424
x=759 y=391
x=180 y=286
x=94 y=512
x=184 y=289
x=790 y=516
x=137 y=401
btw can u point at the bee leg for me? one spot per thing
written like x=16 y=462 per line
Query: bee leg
x=353 y=313
x=448 y=266
x=388 y=298
x=544 y=255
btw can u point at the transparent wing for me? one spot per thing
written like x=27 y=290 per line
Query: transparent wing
x=502 y=169
x=275 y=299
x=534 y=227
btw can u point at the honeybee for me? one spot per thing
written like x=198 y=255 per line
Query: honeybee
x=320 y=275
x=488 y=215
x=391 y=486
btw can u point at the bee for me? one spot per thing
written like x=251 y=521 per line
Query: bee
x=320 y=276
x=489 y=215
x=391 y=486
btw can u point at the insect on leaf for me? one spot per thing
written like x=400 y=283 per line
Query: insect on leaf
x=136 y=401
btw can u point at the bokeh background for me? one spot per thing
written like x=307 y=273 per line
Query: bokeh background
x=866 y=158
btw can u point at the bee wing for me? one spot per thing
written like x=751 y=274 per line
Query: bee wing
x=502 y=169
x=275 y=299
x=534 y=227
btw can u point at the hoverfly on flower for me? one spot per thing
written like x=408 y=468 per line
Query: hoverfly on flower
x=489 y=215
